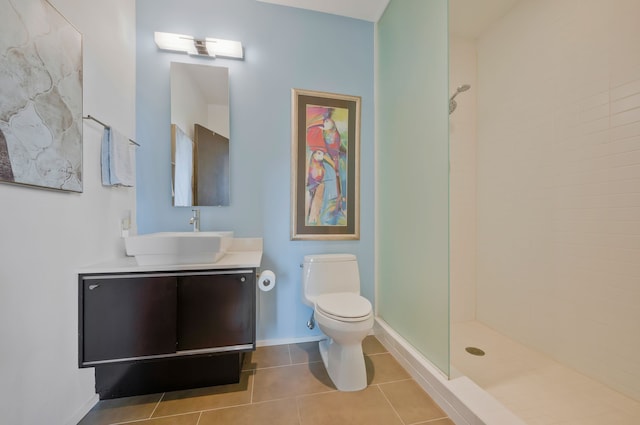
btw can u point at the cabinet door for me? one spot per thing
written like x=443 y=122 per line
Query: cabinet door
x=128 y=317
x=216 y=310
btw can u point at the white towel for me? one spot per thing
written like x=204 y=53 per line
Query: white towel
x=183 y=172
x=117 y=159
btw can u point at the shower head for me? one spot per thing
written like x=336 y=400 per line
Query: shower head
x=452 y=103
x=460 y=89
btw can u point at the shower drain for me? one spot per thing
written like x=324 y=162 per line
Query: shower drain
x=474 y=351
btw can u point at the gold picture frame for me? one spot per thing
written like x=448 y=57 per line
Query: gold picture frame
x=325 y=166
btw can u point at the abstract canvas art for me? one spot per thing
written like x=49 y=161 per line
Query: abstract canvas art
x=40 y=97
x=325 y=166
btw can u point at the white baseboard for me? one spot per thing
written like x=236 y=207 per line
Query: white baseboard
x=462 y=400
x=82 y=411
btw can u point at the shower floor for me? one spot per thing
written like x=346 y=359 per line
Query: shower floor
x=532 y=385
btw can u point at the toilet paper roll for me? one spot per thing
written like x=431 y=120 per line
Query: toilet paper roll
x=266 y=280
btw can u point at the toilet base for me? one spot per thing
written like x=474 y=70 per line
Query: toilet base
x=344 y=364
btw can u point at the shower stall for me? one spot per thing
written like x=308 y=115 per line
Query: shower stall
x=545 y=210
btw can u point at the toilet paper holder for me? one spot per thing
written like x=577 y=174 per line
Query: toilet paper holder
x=266 y=280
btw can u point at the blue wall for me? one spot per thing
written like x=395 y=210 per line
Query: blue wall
x=285 y=48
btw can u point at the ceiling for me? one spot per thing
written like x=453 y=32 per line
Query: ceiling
x=468 y=18
x=367 y=10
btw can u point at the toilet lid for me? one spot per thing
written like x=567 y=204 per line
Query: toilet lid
x=344 y=305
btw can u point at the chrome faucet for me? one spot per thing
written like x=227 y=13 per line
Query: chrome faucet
x=195 y=220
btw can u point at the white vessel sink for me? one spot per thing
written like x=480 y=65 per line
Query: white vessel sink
x=166 y=248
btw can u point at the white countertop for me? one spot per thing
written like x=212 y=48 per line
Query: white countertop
x=244 y=252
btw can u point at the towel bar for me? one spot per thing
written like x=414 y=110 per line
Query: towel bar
x=89 y=117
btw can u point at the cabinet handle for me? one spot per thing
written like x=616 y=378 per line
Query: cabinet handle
x=92 y=287
x=243 y=279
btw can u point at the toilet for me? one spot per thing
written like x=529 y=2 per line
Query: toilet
x=331 y=285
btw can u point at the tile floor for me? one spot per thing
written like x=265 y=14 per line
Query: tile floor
x=533 y=386
x=282 y=385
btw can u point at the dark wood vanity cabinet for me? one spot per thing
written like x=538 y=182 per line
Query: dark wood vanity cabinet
x=229 y=324
x=128 y=317
x=150 y=332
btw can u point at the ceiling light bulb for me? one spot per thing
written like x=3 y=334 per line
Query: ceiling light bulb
x=175 y=42
x=226 y=48
x=210 y=46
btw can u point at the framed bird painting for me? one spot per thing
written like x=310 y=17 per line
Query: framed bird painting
x=325 y=166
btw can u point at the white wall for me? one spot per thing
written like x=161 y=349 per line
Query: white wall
x=218 y=119
x=462 y=180
x=188 y=104
x=46 y=235
x=558 y=178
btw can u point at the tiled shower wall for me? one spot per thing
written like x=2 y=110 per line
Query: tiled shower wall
x=558 y=213
x=462 y=180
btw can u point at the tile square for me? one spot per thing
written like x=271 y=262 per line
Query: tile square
x=445 y=421
x=383 y=368
x=271 y=356
x=121 y=410
x=197 y=399
x=366 y=407
x=280 y=412
x=188 y=419
x=411 y=402
x=305 y=352
x=371 y=345
x=290 y=381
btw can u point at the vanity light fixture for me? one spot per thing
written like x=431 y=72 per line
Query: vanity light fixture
x=208 y=47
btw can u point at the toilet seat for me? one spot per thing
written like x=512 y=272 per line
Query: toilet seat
x=344 y=306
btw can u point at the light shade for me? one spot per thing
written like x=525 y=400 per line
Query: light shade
x=209 y=47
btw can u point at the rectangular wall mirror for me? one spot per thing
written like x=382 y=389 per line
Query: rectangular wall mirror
x=199 y=135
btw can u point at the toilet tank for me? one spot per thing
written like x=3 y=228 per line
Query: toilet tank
x=328 y=273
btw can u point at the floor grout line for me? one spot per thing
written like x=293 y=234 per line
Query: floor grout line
x=375 y=354
x=394 y=381
x=390 y=405
x=274 y=399
x=219 y=408
x=289 y=351
x=429 y=421
x=298 y=409
x=319 y=393
x=156 y=406
x=281 y=366
x=144 y=420
x=307 y=362
x=201 y=411
x=199 y=417
x=253 y=385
